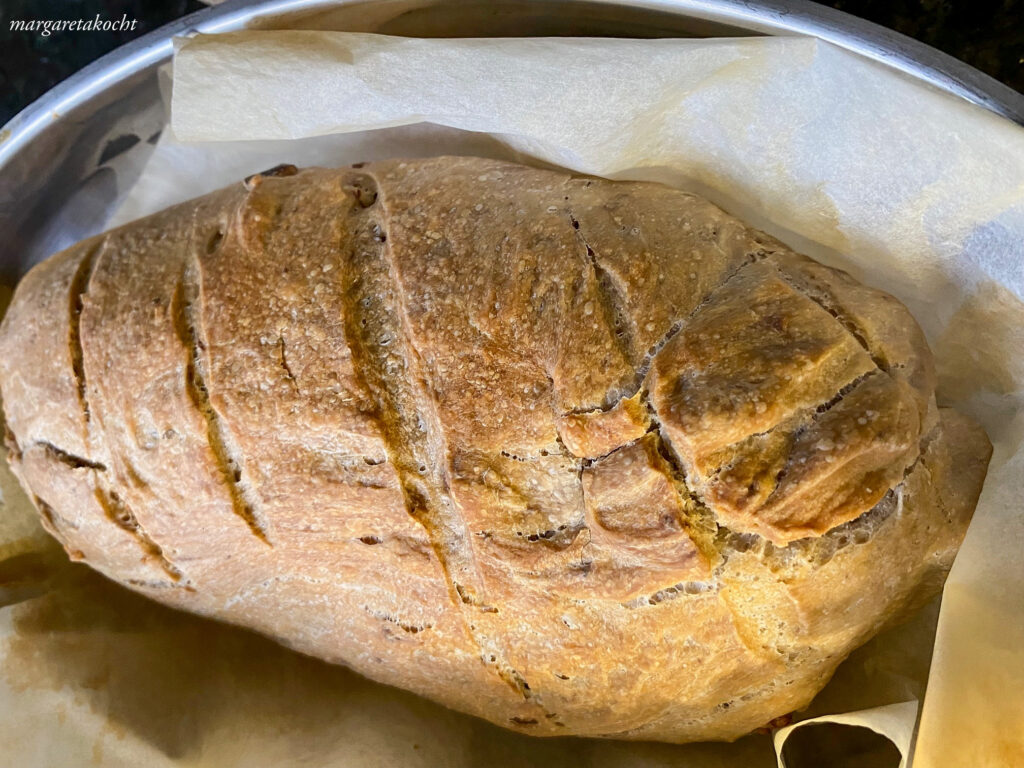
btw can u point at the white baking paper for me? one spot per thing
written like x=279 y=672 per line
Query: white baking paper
x=894 y=722
x=908 y=188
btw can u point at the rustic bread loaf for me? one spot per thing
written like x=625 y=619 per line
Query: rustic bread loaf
x=576 y=456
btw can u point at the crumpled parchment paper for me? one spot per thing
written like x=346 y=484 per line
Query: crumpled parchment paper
x=911 y=190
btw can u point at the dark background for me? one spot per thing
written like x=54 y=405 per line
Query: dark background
x=989 y=34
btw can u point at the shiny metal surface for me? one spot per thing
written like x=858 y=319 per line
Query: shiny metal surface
x=65 y=159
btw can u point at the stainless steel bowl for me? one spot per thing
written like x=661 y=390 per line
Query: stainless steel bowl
x=65 y=159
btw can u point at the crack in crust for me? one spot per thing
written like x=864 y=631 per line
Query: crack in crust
x=229 y=462
x=847 y=324
x=714 y=537
x=412 y=628
x=69 y=459
x=699 y=519
x=376 y=326
x=119 y=513
x=643 y=367
x=386 y=358
x=153 y=584
x=674 y=591
x=818 y=411
x=803 y=420
x=613 y=303
x=719 y=542
x=283 y=360
x=816 y=550
x=76 y=299
x=116 y=510
x=678 y=325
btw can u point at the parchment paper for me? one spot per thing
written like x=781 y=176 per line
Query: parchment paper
x=909 y=189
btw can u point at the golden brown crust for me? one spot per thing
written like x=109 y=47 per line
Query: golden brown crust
x=578 y=457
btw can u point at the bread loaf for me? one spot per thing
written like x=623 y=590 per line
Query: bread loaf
x=575 y=456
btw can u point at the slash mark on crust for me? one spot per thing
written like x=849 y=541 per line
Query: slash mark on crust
x=228 y=459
